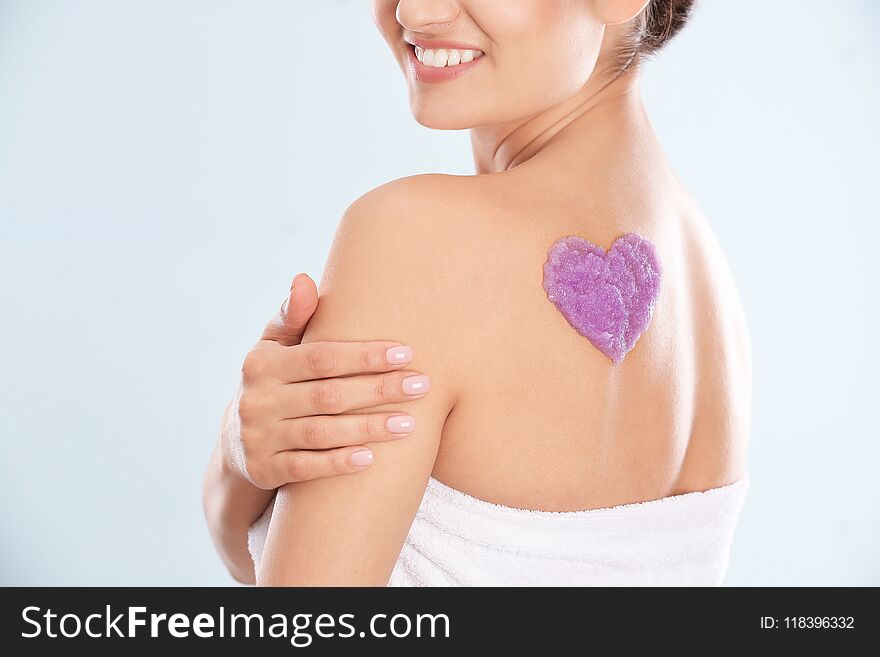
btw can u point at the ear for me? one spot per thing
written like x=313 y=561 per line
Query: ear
x=612 y=12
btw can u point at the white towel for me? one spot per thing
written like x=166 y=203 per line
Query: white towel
x=458 y=540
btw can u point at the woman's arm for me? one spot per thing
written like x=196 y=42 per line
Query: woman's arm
x=379 y=281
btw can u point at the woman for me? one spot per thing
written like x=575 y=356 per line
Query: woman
x=588 y=412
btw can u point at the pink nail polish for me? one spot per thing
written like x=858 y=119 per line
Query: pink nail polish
x=362 y=457
x=401 y=424
x=399 y=355
x=416 y=385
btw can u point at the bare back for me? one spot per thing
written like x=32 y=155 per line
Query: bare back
x=542 y=418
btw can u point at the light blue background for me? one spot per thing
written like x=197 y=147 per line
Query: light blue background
x=166 y=167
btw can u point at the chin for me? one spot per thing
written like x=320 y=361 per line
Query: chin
x=442 y=116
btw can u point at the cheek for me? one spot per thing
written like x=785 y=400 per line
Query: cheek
x=548 y=61
x=540 y=53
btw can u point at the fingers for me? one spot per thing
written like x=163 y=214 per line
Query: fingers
x=324 y=360
x=334 y=396
x=289 y=467
x=288 y=326
x=330 y=431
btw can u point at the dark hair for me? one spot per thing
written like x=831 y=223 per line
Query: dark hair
x=654 y=27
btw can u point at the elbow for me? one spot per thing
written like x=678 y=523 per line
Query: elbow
x=226 y=540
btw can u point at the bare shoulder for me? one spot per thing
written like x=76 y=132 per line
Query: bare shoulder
x=409 y=239
x=444 y=221
x=425 y=204
x=397 y=226
x=394 y=273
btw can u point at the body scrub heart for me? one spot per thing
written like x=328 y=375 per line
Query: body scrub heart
x=607 y=297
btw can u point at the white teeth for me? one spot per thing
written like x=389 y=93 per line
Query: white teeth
x=446 y=57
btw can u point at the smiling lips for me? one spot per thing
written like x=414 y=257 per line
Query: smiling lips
x=433 y=63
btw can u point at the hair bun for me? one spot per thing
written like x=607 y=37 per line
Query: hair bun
x=662 y=20
x=659 y=21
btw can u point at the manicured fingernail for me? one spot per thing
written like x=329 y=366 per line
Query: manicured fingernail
x=399 y=355
x=362 y=457
x=401 y=424
x=416 y=385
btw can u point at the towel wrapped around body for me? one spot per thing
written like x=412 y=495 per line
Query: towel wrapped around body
x=458 y=540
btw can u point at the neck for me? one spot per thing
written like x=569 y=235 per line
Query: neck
x=502 y=147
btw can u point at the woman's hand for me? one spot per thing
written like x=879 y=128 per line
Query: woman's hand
x=288 y=423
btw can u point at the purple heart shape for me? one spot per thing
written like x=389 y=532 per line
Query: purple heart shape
x=607 y=297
